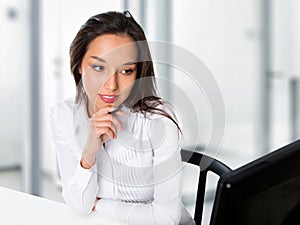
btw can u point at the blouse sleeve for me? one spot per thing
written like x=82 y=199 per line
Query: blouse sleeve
x=166 y=207
x=79 y=185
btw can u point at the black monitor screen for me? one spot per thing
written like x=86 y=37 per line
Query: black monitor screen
x=263 y=192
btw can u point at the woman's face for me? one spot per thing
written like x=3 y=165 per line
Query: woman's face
x=108 y=70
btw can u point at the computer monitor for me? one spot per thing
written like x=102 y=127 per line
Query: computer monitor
x=263 y=192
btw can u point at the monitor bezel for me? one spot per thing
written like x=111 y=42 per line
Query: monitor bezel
x=255 y=176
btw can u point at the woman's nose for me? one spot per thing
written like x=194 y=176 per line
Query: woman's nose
x=111 y=83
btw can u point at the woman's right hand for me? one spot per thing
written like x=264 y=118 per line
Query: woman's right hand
x=102 y=125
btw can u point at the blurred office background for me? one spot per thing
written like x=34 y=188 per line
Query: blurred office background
x=251 y=48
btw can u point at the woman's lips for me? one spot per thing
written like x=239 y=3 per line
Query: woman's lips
x=108 y=98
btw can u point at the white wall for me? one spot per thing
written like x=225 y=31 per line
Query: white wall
x=225 y=35
x=286 y=37
x=14 y=80
x=285 y=44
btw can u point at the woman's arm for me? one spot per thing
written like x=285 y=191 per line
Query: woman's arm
x=79 y=185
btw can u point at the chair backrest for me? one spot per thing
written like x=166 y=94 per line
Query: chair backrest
x=206 y=164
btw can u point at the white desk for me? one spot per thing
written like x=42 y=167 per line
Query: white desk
x=17 y=208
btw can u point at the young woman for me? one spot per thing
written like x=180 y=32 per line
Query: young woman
x=118 y=144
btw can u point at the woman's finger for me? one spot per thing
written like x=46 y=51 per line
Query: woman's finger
x=108 y=124
x=120 y=113
x=104 y=110
x=105 y=130
x=103 y=138
x=106 y=118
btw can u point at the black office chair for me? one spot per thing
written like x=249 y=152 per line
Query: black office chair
x=206 y=164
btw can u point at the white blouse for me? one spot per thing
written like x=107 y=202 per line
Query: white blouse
x=137 y=175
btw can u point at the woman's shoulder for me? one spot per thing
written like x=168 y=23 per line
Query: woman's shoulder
x=162 y=110
x=62 y=109
x=63 y=105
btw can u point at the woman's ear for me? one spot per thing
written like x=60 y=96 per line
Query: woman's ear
x=79 y=70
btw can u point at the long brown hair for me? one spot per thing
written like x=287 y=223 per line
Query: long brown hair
x=143 y=96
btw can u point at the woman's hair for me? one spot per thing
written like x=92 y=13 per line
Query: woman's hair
x=143 y=96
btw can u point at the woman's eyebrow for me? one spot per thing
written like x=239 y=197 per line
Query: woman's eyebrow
x=129 y=63
x=98 y=58
x=124 y=64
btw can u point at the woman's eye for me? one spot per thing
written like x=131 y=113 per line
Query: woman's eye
x=98 y=68
x=126 y=72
